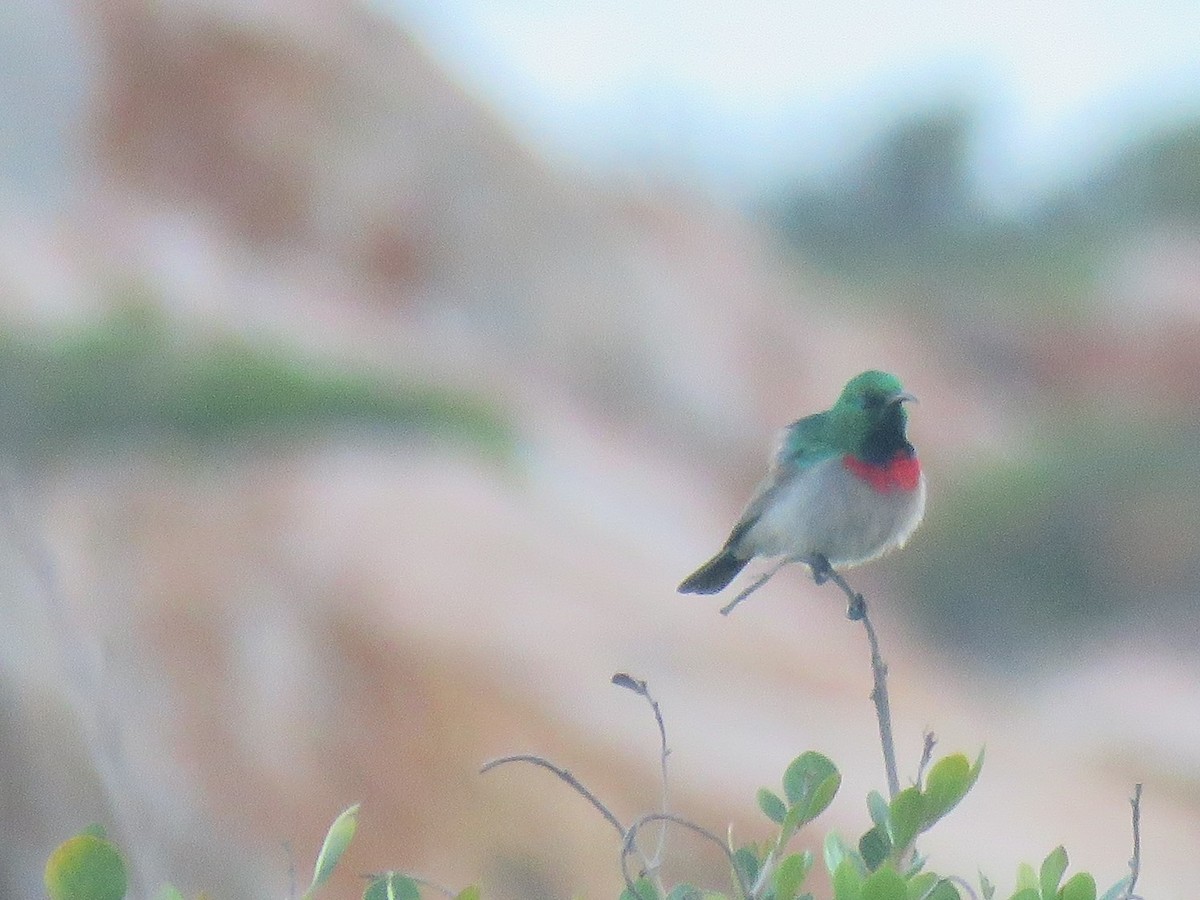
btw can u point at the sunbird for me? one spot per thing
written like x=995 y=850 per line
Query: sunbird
x=844 y=487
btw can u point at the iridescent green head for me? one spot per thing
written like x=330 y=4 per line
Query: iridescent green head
x=869 y=419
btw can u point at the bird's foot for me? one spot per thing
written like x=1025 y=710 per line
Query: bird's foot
x=821 y=569
x=856 y=609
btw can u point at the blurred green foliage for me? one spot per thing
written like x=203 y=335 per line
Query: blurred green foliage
x=908 y=210
x=129 y=380
x=1096 y=523
x=884 y=866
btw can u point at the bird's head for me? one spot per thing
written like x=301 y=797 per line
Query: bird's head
x=869 y=419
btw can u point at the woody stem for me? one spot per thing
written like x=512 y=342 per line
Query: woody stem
x=856 y=610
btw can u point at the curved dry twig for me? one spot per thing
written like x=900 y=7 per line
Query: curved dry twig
x=638 y=686
x=564 y=775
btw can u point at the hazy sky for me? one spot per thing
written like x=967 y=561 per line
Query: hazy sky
x=736 y=91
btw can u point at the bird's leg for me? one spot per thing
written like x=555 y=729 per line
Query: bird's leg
x=822 y=572
x=756 y=584
x=821 y=569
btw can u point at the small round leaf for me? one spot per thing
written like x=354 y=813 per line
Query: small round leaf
x=886 y=884
x=1051 y=874
x=1081 y=886
x=874 y=846
x=392 y=886
x=772 y=806
x=906 y=816
x=336 y=841
x=86 y=867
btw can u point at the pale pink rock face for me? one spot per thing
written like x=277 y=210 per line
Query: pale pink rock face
x=234 y=648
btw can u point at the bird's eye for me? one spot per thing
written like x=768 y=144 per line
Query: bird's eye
x=872 y=401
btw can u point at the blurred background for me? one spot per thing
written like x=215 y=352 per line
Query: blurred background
x=372 y=373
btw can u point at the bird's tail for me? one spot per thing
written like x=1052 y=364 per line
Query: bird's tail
x=714 y=574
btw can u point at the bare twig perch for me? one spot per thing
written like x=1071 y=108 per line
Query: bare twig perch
x=1135 y=863
x=856 y=610
x=639 y=687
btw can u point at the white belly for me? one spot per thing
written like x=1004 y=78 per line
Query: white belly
x=827 y=510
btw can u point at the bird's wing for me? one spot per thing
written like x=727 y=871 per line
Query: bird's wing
x=800 y=445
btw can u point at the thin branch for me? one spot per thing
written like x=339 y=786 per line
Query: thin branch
x=639 y=687
x=564 y=775
x=627 y=846
x=856 y=610
x=1135 y=863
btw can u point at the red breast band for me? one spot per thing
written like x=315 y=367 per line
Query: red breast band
x=901 y=473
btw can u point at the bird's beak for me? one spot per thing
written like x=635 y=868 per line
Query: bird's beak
x=902 y=397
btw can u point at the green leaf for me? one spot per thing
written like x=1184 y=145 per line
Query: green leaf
x=947 y=783
x=920 y=885
x=169 y=892
x=823 y=796
x=772 y=806
x=1026 y=894
x=336 y=841
x=685 y=892
x=1026 y=878
x=392 y=886
x=85 y=867
x=885 y=884
x=836 y=852
x=847 y=881
x=643 y=889
x=471 y=892
x=986 y=887
x=747 y=863
x=791 y=874
x=1081 y=886
x=943 y=890
x=1053 y=867
x=874 y=846
x=906 y=816
x=878 y=808
x=916 y=865
x=808 y=773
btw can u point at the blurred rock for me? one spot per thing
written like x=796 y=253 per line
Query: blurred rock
x=225 y=647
